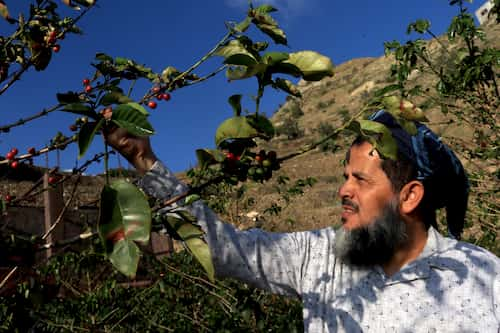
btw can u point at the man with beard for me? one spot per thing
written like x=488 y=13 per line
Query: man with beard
x=387 y=268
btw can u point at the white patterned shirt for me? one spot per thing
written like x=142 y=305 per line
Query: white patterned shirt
x=451 y=287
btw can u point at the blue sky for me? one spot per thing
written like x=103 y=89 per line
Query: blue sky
x=160 y=33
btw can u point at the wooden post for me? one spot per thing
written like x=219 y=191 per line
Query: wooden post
x=54 y=203
x=161 y=245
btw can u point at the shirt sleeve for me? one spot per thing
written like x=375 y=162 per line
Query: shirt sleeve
x=270 y=261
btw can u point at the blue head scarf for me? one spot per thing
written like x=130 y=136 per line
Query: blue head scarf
x=439 y=169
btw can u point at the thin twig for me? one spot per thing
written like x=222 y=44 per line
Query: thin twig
x=7 y=277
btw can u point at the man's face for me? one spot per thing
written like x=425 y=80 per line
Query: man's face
x=367 y=190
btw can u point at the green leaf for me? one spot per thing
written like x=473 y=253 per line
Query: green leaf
x=263 y=125
x=120 y=61
x=103 y=57
x=419 y=26
x=183 y=228
x=387 y=89
x=243 y=25
x=235 y=128
x=192 y=236
x=191 y=198
x=408 y=125
x=41 y=58
x=125 y=257
x=272 y=58
x=86 y=135
x=312 y=65
x=276 y=34
x=138 y=107
x=235 y=53
x=169 y=73
x=114 y=97
x=264 y=9
x=68 y=98
x=129 y=118
x=380 y=137
x=243 y=72
x=124 y=218
x=287 y=86
x=208 y=157
x=235 y=102
x=200 y=250
x=81 y=109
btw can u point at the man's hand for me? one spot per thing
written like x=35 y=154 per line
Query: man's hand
x=136 y=149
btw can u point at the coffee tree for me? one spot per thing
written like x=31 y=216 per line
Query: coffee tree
x=465 y=72
x=126 y=215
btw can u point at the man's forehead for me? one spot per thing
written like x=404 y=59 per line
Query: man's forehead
x=363 y=158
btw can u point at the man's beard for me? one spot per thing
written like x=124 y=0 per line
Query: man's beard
x=375 y=243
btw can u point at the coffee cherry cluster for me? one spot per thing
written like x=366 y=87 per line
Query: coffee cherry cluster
x=266 y=163
x=160 y=94
x=51 y=40
x=11 y=156
x=87 y=87
x=255 y=166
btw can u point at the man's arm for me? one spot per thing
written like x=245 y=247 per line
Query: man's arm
x=269 y=261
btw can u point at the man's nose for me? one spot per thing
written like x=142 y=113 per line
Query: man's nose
x=345 y=190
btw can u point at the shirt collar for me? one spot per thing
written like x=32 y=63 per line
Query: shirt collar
x=429 y=259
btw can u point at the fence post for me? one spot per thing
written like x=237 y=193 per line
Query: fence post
x=161 y=245
x=53 y=203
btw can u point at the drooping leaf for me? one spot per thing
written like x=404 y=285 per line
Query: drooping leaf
x=287 y=86
x=200 y=250
x=68 y=98
x=380 y=137
x=263 y=125
x=243 y=72
x=235 y=102
x=125 y=257
x=276 y=34
x=312 y=65
x=243 y=25
x=114 y=97
x=136 y=123
x=124 y=218
x=86 y=135
x=235 y=128
x=192 y=236
x=387 y=89
x=208 y=157
x=272 y=58
x=81 y=109
x=235 y=53
x=41 y=58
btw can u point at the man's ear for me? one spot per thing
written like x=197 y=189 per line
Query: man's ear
x=410 y=196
